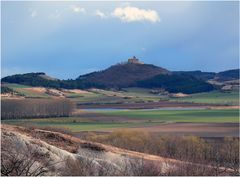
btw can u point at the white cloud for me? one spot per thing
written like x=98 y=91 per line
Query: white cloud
x=131 y=14
x=100 y=14
x=77 y=9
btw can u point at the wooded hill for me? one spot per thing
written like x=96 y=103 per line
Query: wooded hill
x=130 y=75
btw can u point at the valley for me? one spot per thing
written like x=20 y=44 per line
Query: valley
x=100 y=110
x=153 y=122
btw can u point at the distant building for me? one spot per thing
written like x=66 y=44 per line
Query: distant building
x=134 y=60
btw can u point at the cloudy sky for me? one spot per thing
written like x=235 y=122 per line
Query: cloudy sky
x=66 y=39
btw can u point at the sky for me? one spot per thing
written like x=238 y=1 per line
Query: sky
x=67 y=39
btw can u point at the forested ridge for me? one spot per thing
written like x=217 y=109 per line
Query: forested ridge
x=129 y=75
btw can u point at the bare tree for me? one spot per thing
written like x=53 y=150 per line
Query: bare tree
x=15 y=162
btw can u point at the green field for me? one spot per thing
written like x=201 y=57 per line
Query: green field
x=206 y=115
x=14 y=86
x=215 y=97
x=76 y=125
x=144 y=95
x=133 y=118
x=108 y=97
x=115 y=119
x=27 y=93
x=84 y=97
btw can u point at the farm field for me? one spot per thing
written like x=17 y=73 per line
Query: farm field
x=91 y=96
x=129 y=95
x=201 y=122
x=214 y=97
x=193 y=115
x=136 y=108
x=138 y=95
x=27 y=91
x=98 y=96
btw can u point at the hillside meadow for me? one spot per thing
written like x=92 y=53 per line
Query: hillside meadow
x=133 y=94
x=214 y=97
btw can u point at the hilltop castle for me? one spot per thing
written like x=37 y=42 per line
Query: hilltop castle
x=134 y=60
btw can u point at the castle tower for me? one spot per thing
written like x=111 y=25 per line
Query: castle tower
x=134 y=60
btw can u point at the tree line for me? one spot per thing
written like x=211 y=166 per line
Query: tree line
x=35 y=108
x=36 y=79
x=176 y=82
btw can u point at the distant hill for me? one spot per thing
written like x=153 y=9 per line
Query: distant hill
x=33 y=79
x=133 y=73
x=228 y=75
x=146 y=76
x=123 y=75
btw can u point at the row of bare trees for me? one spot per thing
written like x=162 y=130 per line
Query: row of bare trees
x=34 y=108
